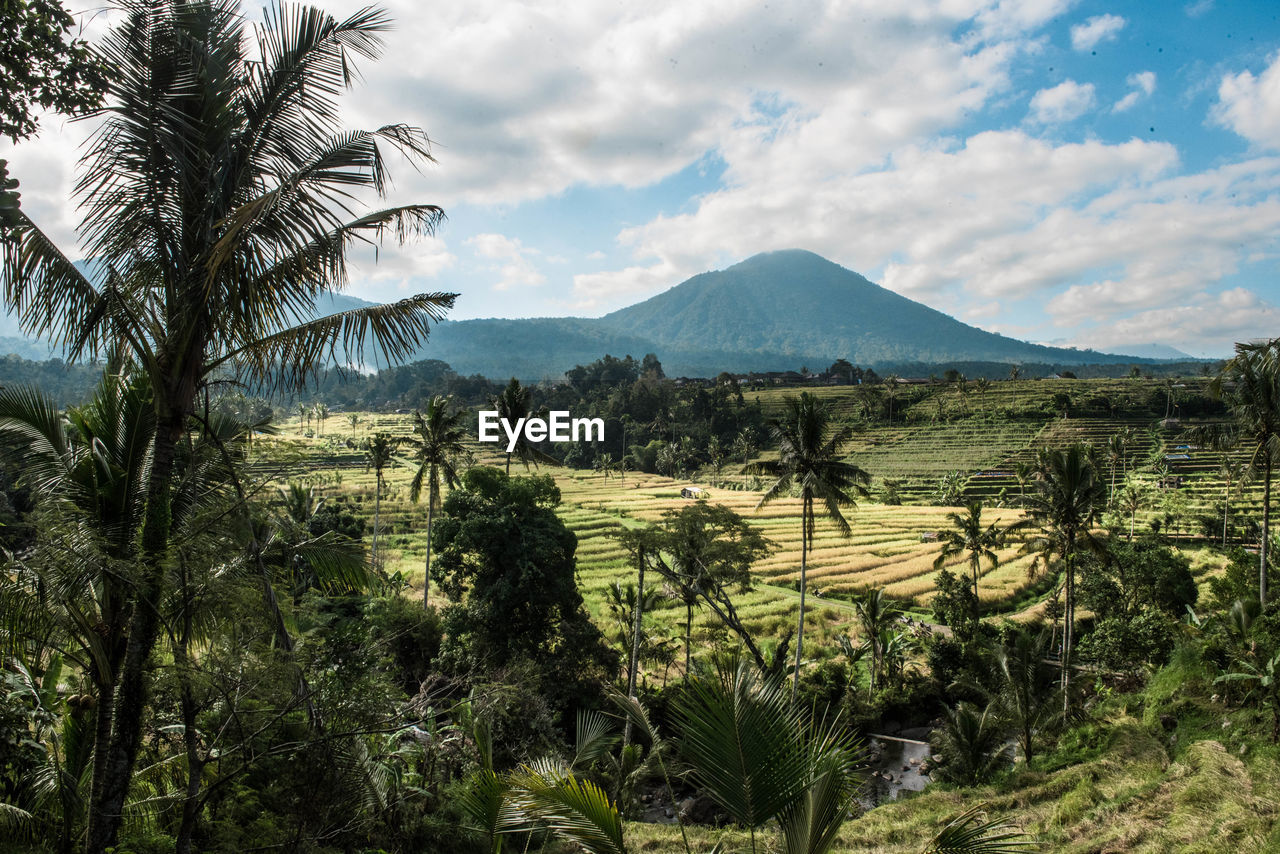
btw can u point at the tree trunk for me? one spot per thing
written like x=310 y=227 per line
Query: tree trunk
x=1068 y=627
x=688 y=635
x=1226 y=511
x=636 y=628
x=377 y=514
x=976 y=608
x=191 y=741
x=426 y=577
x=805 y=511
x=107 y=812
x=637 y=621
x=1266 y=529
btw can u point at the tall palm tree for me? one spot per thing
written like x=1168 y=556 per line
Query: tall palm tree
x=354 y=420
x=1250 y=385
x=891 y=392
x=968 y=536
x=639 y=543
x=515 y=403
x=378 y=457
x=1131 y=498
x=438 y=446
x=91 y=463
x=220 y=197
x=1117 y=448
x=809 y=446
x=1236 y=474
x=1068 y=498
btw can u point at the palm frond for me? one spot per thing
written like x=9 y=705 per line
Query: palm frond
x=595 y=737
x=395 y=328
x=967 y=833
x=741 y=735
x=570 y=806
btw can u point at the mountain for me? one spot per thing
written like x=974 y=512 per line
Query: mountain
x=1155 y=351
x=775 y=311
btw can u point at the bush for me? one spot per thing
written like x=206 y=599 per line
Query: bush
x=411 y=636
x=1123 y=643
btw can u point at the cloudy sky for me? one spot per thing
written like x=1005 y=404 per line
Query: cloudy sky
x=1076 y=172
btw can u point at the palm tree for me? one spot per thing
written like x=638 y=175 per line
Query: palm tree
x=970 y=745
x=322 y=414
x=514 y=404
x=1117 y=448
x=1236 y=474
x=1131 y=498
x=762 y=758
x=891 y=392
x=304 y=417
x=1015 y=372
x=1021 y=689
x=983 y=385
x=809 y=448
x=354 y=420
x=1250 y=385
x=1067 y=500
x=219 y=199
x=378 y=457
x=92 y=465
x=438 y=446
x=969 y=537
x=876 y=613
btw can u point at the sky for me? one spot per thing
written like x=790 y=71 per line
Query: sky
x=1096 y=174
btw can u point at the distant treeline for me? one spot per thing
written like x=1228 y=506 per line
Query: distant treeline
x=407 y=386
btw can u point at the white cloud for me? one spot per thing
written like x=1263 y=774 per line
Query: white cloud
x=1250 y=105
x=1141 y=85
x=1067 y=101
x=513 y=261
x=1207 y=325
x=614 y=288
x=1096 y=30
x=1198 y=8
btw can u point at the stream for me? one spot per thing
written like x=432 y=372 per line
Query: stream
x=895 y=767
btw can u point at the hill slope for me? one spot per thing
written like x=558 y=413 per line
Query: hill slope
x=800 y=304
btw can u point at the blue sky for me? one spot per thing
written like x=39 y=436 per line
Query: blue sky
x=1087 y=173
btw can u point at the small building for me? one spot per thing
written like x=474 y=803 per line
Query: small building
x=693 y=492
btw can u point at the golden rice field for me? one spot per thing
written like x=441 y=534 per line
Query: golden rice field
x=885 y=548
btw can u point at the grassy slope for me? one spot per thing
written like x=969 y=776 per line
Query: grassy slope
x=1161 y=771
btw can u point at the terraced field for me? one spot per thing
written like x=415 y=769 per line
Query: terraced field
x=887 y=547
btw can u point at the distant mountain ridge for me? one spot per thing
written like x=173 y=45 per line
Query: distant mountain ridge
x=772 y=312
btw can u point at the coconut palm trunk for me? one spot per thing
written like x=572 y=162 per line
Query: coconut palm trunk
x=1266 y=529
x=806 y=520
x=130 y=701
x=426 y=572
